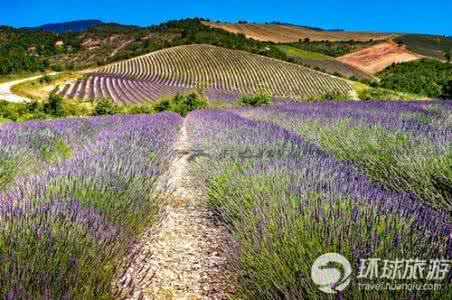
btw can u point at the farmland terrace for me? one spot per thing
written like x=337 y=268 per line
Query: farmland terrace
x=166 y=72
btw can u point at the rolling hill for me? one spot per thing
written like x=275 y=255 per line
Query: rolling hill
x=428 y=45
x=288 y=34
x=72 y=26
x=323 y=63
x=214 y=69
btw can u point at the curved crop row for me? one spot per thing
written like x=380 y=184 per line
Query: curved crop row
x=172 y=70
x=123 y=90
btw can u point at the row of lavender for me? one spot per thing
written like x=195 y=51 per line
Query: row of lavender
x=73 y=195
x=406 y=147
x=287 y=202
x=129 y=91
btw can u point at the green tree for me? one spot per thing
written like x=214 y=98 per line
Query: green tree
x=182 y=103
x=448 y=90
x=261 y=98
x=104 y=107
x=447 y=55
x=54 y=105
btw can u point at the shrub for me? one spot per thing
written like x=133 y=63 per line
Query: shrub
x=104 y=107
x=75 y=108
x=57 y=68
x=182 y=103
x=140 y=109
x=11 y=111
x=45 y=79
x=331 y=96
x=260 y=99
x=162 y=105
x=448 y=90
x=54 y=105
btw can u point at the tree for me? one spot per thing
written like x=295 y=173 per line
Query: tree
x=262 y=97
x=447 y=55
x=104 y=107
x=182 y=103
x=448 y=90
x=54 y=105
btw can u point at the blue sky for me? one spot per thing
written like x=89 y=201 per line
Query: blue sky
x=432 y=16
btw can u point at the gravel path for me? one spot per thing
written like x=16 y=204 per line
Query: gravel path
x=6 y=94
x=183 y=257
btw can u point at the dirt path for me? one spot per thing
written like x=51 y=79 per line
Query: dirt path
x=183 y=256
x=8 y=95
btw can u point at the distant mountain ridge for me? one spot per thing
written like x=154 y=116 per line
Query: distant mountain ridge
x=72 y=26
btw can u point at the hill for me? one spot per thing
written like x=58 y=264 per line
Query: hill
x=376 y=58
x=427 y=45
x=212 y=68
x=424 y=77
x=30 y=50
x=72 y=26
x=323 y=63
x=304 y=26
x=288 y=34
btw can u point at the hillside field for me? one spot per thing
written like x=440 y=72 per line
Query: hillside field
x=289 y=34
x=427 y=45
x=240 y=201
x=214 y=69
x=324 y=63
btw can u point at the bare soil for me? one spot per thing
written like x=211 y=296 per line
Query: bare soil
x=376 y=58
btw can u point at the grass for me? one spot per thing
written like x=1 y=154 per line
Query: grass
x=39 y=89
x=8 y=171
x=366 y=92
x=57 y=107
x=55 y=151
x=17 y=76
x=296 y=52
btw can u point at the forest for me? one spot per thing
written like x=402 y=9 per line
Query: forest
x=424 y=77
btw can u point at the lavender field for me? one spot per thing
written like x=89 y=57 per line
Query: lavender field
x=74 y=193
x=295 y=181
x=289 y=182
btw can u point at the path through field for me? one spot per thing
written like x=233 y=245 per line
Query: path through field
x=8 y=95
x=183 y=257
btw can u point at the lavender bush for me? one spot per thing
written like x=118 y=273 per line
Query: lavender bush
x=66 y=225
x=287 y=202
x=403 y=146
